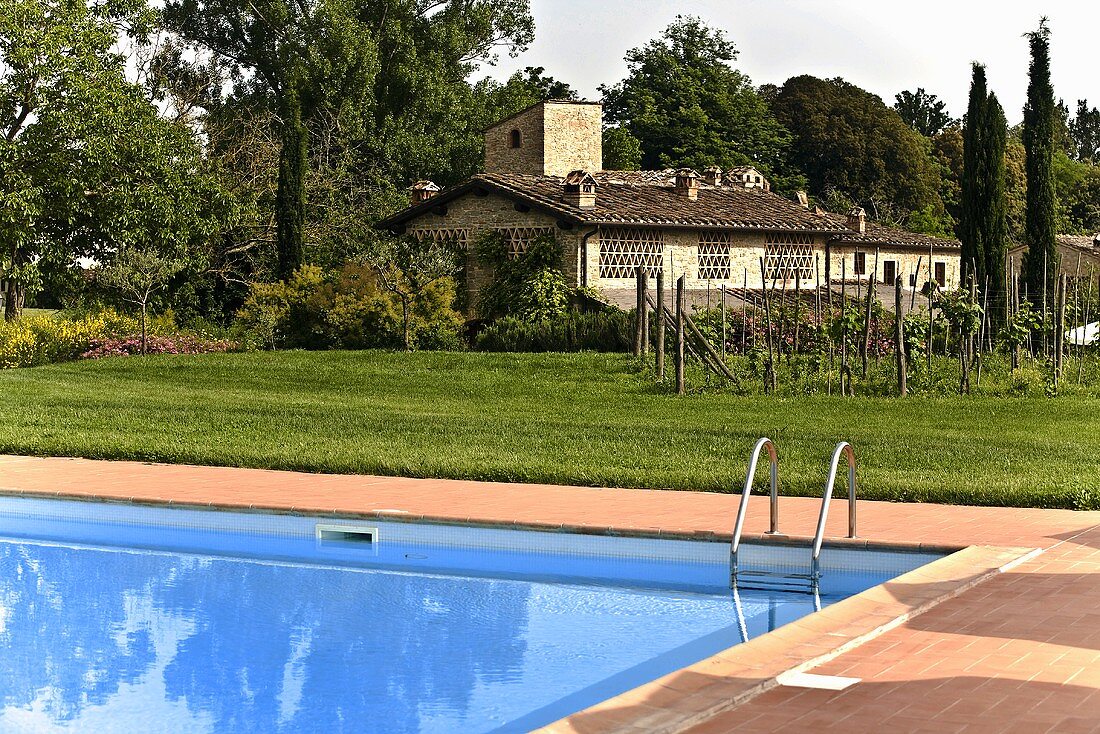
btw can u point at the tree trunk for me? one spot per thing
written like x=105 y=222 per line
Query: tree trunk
x=405 y=323
x=14 y=295
x=290 y=198
x=144 y=331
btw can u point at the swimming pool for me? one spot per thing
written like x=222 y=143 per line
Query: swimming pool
x=119 y=618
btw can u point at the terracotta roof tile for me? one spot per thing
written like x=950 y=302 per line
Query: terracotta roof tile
x=649 y=198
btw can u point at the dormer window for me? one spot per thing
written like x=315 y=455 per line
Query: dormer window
x=515 y=139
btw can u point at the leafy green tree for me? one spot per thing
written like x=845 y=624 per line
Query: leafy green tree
x=686 y=105
x=1040 y=265
x=138 y=275
x=846 y=139
x=983 y=227
x=87 y=164
x=947 y=150
x=542 y=86
x=1084 y=130
x=388 y=75
x=408 y=268
x=621 y=150
x=1077 y=184
x=925 y=113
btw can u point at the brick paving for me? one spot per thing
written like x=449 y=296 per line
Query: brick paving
x=1017 y=652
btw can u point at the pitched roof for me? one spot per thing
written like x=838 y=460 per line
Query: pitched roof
x=1081 y=242
x=1085 y=242
x=876 y=234
x=649 y=199
x=640 y=199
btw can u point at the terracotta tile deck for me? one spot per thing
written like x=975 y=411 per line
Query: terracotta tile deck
x=1017 y=652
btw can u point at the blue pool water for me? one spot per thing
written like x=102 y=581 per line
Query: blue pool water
x=121 y=619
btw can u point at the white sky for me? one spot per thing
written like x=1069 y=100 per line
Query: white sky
x=883 y=46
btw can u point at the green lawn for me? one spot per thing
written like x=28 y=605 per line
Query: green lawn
x=587 y=419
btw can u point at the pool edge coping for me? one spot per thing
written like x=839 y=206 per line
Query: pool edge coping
x=694 y=694
x=472 y=521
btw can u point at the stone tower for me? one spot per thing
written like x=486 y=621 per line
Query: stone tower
x=550 y=138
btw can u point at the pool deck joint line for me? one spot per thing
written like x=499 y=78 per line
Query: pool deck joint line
x=1028 y=570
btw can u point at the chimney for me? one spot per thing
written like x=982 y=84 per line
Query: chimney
x=802 y=199
x=1096 y=240
x=579 y=189
x=713 y=176
x=687 y=183
x=421 y=191
x=857 y=220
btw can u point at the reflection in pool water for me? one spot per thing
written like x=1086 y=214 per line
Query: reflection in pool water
x=103 y=639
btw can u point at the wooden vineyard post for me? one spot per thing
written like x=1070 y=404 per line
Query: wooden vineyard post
x=1060 y=326
x=1014 y=307
x=660 y=325
x=865 y=343
x=681 y=388
x=797 y=307
x=769 y=366
x=722 y=290
x=644 y=303
x=845 y=375
x=899 y=337
x=639 y=311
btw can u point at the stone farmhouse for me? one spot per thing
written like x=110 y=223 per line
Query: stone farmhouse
x=544 y=176
x=1079 y=255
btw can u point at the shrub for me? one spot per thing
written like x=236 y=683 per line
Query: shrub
x=604 y=331
x=39 y=340
x=175 y=344
x=348 y=309
x=528 y=286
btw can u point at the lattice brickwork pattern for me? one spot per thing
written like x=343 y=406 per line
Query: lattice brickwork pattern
x=460 y=237
x=519 y=238
x=714 y=255
x=787 y=256
x=624 y=249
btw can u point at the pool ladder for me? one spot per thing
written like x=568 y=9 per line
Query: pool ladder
x=807 y=582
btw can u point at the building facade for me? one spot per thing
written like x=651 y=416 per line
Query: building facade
x=543 y=177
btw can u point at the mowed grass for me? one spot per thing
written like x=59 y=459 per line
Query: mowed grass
x=565 y=419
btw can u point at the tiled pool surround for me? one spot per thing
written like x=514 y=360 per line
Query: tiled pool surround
x=673 y=703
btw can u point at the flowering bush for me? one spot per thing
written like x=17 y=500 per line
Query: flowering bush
x=175 y=344
x=38 y=340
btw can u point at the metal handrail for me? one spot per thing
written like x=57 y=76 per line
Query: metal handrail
x=735 y=542
x=844 y=448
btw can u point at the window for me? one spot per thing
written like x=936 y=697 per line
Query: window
x=861 y=263
x=714 y=255
x=515 y=139
x=889 y=271
x=787 y=256
x=624 y=249
x=912 y=280
x=459 y=237
x=941 y=274
x=518 y=238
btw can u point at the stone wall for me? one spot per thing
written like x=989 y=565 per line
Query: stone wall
x=906 y=261
x=478 y=214
x=573 y=138
x=555 y=139
x=1069 y=258
x=681 y=257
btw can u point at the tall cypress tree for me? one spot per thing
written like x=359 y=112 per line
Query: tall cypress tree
x=1041 y=260
x=996 y=214
x=973 y=180
x=983 y=227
